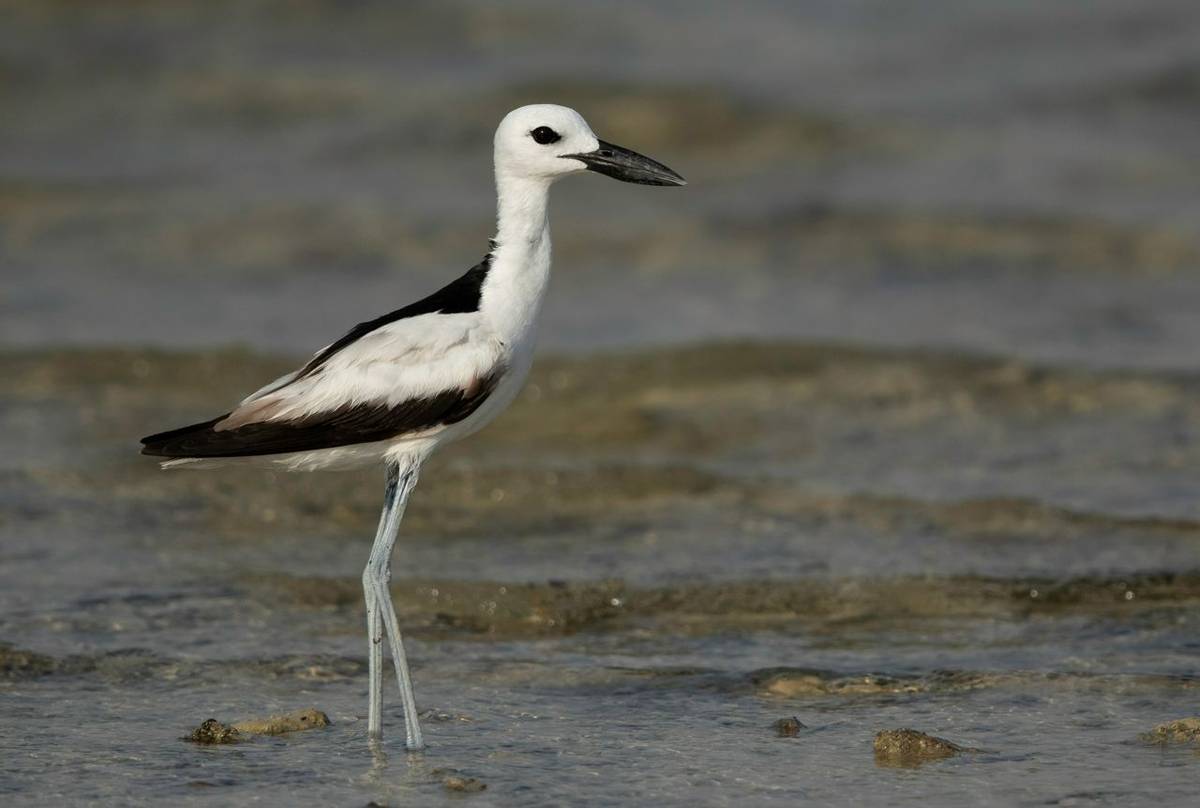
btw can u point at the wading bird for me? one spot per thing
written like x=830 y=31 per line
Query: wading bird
x=395 y=388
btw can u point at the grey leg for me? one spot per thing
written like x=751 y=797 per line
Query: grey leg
x=375 y=645
x=375 y=658
x=380 y=612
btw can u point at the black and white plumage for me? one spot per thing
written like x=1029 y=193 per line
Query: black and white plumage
x=250 y=430
x=394 y=388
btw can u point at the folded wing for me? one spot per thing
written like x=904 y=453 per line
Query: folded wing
x=410 y=377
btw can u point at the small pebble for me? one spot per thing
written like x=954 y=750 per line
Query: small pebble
x=788 y=727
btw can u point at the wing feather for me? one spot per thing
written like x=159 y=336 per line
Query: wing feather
x=407 y=377
x=349 y=424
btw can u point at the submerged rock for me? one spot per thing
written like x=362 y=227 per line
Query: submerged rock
x=213 y=731
x=454 y=780
x=434 y=608
x=16 y=663
x=797 y=683
x=1183 y=730
x=909 y=748
x=288 y=722
x=788 y=727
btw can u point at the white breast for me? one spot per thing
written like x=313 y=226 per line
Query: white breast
x=510 y=302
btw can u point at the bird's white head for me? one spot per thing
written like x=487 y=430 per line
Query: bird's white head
x=543 y=142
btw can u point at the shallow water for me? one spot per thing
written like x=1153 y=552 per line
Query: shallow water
x=612 y=596
x=999 y=178
x=889 y=420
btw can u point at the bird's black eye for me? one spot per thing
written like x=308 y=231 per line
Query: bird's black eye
x=545 y=135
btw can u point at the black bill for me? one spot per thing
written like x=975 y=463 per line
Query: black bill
x=627 y=166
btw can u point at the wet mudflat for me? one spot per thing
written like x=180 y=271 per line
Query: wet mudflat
x=618 y=592
x=861 y=472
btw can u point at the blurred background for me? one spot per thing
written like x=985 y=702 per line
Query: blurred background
x=889 y=418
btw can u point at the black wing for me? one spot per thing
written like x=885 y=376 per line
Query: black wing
x=347 y=425
x=460 y=296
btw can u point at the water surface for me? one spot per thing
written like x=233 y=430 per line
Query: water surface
x=888 y=420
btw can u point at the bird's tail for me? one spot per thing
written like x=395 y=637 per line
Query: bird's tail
x=185 y=442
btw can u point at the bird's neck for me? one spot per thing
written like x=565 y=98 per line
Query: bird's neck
x=521 y=209
x=520 y=265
